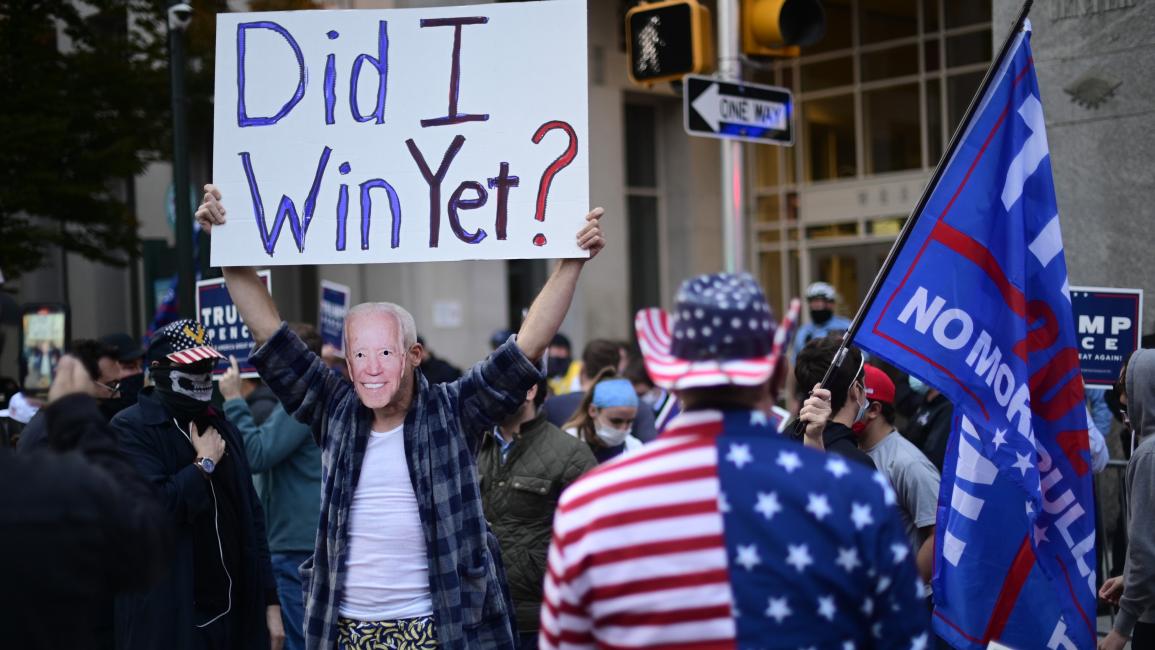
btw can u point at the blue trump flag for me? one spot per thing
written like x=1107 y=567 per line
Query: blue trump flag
x=977 y=305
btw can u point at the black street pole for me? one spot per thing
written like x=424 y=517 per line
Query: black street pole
x=179 y=15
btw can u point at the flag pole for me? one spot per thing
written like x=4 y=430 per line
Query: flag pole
x=939 y=170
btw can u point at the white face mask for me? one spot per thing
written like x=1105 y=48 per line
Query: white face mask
x=198 y=386
x=610 y=436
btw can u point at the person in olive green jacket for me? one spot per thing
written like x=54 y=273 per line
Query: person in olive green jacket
x=524 y=465
x=286 y=465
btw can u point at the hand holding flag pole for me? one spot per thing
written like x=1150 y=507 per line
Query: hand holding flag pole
x=908 y=226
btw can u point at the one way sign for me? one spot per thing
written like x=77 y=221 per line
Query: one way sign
x=738 y=111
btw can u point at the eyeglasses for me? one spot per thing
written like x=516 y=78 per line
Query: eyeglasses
x=113 y=387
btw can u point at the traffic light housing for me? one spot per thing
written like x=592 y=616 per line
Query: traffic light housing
x=779 y=27
x=667 y=40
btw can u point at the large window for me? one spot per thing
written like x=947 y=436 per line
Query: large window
x=828 y=142
x=893 y=137
x=643 y=192
x=880 y=95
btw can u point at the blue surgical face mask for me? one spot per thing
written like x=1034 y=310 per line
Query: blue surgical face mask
x=917 y=385
x=862 y=406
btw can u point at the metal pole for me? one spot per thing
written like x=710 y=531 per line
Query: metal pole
x=733 y=192
x=186 y=275
x=135 y=308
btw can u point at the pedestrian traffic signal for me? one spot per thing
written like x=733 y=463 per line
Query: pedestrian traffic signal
x=779 y=27
x=667 y=40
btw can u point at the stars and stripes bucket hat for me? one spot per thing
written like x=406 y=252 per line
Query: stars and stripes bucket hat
x=720 y=333
x=182 y=342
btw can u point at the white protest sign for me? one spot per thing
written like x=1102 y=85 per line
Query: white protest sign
x=450 y=133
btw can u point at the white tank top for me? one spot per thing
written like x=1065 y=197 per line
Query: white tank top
x=387 y=571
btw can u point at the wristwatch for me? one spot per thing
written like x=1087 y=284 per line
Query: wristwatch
x=205 y=465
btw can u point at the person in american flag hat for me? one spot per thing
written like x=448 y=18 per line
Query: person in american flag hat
x=181 y=360
x=220 y=591
x=723 y=533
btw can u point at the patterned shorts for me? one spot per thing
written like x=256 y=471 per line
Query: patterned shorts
x=405 y=634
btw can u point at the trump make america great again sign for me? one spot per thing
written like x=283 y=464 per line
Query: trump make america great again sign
x=449 y=133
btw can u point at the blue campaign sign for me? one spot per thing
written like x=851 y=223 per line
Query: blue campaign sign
x=226 y=330
x=1109 y=325
x=334 y=306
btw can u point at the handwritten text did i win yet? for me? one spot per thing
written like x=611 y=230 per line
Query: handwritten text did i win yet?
x=469 y=195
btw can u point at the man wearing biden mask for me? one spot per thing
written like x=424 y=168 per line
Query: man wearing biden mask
x=404 y=555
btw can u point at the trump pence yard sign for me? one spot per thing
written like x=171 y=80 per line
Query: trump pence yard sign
x=345 y=137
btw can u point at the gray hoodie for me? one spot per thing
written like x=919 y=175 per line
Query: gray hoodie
x=1138 y=601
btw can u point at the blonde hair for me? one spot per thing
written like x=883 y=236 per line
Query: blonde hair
x=403 y=318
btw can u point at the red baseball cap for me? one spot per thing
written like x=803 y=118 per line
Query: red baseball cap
x=879 y=387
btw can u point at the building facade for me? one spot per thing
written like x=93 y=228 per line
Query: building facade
x=1092 y=58
x=876 y=102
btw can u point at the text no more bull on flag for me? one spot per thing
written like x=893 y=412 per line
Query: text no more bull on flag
x=975 y=301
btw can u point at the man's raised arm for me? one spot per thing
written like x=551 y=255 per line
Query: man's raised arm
x=256 y=306
x=549 y=308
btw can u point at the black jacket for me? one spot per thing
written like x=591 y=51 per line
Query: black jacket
x=34 y=436
x=75 y=527
x=163 y=617
x=930 y=427
x=519 y=496
x=839 y=439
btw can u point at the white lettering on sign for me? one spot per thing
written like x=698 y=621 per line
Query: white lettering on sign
x=953 y=329
x=1059 y=639
x=1067 y=511
x=333 y=310
x=1091 y=324
x=1098 y=325
x=1027 y=160
x=716 y=109
x=972 y=466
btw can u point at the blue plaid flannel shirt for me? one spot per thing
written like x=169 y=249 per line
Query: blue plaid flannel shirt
x=471 y=603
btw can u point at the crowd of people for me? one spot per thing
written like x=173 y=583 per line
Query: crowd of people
x=383 y=498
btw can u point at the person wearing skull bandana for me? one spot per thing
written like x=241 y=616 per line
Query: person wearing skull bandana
x=220 y=593
x=404 y=557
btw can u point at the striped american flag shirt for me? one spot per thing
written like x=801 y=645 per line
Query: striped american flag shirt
x=723 y=534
